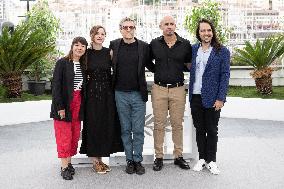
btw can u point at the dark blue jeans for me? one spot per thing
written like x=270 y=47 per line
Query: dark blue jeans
x=131 y=111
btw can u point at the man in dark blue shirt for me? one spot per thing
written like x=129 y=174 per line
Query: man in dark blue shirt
x=170 y=52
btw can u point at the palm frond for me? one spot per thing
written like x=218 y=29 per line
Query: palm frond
x=21 y=48
x=261 y=54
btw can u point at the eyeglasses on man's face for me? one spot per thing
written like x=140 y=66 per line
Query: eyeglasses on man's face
x=126 y=27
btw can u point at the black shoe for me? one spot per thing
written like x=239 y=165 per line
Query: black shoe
x=181 y=163
x=130 y=167
x=158 y=164
x=71 y=169
x=65 y=173
x=140 y=170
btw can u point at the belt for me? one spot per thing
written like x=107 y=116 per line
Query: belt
x=179 y=84
x=196 y=95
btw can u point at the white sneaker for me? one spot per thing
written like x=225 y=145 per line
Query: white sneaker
x=213 y=168
x=199 y=165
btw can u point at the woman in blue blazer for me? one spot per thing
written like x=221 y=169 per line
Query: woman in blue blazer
x=209 y=80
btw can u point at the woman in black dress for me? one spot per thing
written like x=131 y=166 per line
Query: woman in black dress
x=101 y=128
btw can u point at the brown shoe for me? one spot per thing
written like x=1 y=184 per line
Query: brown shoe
x=106 y=167
x=98 y=168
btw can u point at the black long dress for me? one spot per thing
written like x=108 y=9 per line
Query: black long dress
x=101 y=134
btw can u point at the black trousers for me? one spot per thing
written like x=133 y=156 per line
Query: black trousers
x=205 y=120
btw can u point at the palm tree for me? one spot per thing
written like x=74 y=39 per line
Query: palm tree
x=18 y=50
x=261 y=56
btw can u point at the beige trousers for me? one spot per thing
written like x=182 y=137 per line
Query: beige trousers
x=164 y=100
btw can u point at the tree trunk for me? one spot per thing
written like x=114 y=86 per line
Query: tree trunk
x=264 y=85
x=13 y=83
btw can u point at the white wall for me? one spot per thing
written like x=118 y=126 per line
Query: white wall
x=235 y=107
x=240 y=76
x=24 y=112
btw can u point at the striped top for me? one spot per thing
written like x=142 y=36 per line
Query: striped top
x=78 y=77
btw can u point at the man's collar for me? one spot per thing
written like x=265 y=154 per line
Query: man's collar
x=207 y=50
x=200 y=45
x=122 y=41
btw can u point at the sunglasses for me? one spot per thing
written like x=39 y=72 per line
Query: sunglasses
x=126 y=27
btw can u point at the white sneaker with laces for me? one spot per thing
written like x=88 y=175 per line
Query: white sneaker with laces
x=213 y=168
x=199 y=165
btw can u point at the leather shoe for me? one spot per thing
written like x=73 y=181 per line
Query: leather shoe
x=158 y=164
x=130 y=167
x=71 y=169
x=65 y=173
x=140 y=170
x=181 y=163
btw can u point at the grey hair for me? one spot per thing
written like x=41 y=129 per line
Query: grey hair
x=126 y=19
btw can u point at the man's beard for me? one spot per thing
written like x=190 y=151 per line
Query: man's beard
x=129 y=37
x=205 y=41
x=170 y=33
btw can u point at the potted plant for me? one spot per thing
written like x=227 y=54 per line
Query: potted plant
x=261 y=56
x=41 y=17
x=18 y=50
x=31 y=42
x=38 y=73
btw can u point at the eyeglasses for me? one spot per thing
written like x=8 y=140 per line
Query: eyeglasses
x=126 y=27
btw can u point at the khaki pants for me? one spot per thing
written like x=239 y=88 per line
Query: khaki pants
x=164 y=99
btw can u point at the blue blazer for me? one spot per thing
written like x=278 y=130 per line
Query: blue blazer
x=215 y=79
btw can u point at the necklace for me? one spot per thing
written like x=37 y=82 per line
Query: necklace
x=171 y=42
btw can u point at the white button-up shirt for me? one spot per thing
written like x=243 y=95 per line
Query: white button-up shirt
x=201 y=62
